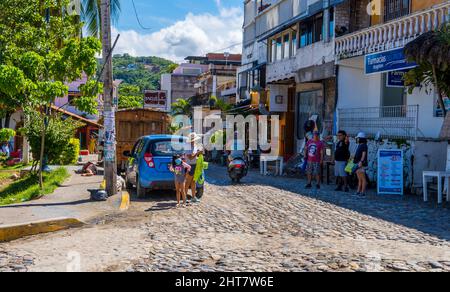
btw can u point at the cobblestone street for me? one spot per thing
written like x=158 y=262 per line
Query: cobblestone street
x=263 y=224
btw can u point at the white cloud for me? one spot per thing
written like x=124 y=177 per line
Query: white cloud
x=195 y=35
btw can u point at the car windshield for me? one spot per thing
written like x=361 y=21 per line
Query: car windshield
x=168 y=148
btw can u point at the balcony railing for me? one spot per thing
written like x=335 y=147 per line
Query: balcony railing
x=393 y=34
x=392 y=122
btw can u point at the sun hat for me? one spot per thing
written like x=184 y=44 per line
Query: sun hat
x=194 y=137
x=361 y=135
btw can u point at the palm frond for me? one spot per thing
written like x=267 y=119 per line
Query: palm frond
x=91 y=15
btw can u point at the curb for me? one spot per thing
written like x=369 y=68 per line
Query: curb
x=13 y=232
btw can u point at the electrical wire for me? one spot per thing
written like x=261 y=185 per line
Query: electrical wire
x=137 y=17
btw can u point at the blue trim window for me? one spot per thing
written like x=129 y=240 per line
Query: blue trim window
x=279 y=49
x=294 y=43
x=311 y=30
x=332 y=23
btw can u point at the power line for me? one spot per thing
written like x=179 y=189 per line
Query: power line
x=232 y=46
x=137 y=17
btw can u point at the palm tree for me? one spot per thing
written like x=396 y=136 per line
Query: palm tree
x=91 y=14
x=182 y=107
x=431 y=51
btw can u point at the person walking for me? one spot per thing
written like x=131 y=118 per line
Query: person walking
x=314 y=155
x=362 y=162
x=341 y=157
x=191 y=159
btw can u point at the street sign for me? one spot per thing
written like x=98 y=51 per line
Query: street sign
x=395 y=78
x=390 y=172
x=388 y=61
x=156 y=99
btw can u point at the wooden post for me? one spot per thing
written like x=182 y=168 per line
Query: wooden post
x=109 y=112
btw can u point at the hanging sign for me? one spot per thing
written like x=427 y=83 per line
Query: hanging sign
x=393 y=60
x=390 y=172
x=156 y=99
x=396 y=79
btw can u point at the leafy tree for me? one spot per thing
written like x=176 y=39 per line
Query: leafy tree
x=144 y=72
x=41 y=51
x=57 y=139
x=220 y=104
x=431 y=51
x=130 y=96
x=6 y=135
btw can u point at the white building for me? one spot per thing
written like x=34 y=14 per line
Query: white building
x=372 y=98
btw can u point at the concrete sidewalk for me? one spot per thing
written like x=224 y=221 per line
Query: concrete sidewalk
x=69 y=202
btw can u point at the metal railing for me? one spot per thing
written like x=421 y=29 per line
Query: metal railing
x=393 y=34
x=392 y=122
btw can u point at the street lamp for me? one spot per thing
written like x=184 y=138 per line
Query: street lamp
x=226 y=55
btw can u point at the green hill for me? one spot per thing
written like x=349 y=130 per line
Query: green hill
x=138 y=74
x=144 y=72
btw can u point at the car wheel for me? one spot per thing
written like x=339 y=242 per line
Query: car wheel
x=141 y=192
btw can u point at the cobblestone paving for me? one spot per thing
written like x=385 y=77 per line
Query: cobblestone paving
x=263 y=224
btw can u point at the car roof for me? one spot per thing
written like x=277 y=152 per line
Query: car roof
x=164 y=137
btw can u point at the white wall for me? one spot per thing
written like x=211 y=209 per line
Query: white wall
x=429 y=126
x=359 y=90
x=166 y=84
x=355 y=88
x=14 y=120
x=312 y=55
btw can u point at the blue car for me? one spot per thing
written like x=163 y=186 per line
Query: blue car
x=149 y=162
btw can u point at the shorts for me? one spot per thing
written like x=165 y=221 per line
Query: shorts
x=361 y=170
x=339 y=169
x=192 y=172
x=313 y=168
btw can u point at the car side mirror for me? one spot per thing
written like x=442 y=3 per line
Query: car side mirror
x=127 y=153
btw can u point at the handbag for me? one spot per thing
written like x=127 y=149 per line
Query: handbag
x=350 y=168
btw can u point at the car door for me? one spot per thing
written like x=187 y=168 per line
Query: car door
x=133 y=162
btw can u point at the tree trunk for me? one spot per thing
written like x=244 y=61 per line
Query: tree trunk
x=8 y=120
x=41 y=156
x=439 y=93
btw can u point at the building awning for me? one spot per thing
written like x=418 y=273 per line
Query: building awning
x=255 y=67
x=77 y=117
x=313 y=9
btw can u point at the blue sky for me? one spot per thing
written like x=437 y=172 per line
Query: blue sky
x=158 y=14
x=179 y=27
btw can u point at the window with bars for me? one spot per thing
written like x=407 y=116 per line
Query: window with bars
x=396 y=8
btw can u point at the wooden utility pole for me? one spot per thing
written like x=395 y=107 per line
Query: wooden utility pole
x=108 y=107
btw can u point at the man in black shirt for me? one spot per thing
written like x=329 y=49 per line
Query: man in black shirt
x=341 y=157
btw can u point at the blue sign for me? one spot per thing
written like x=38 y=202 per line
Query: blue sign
x=395 y=78
x=388 y=61
x=390 y=172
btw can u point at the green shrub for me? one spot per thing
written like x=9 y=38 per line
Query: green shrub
x=71 y=153
x=57 y=136
x=6 y=135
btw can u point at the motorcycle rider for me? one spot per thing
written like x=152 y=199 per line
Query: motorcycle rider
x=236 y=148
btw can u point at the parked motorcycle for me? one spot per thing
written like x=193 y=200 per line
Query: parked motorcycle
x=237 y=169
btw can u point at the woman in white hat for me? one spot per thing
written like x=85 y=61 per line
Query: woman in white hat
x=362 y=162
x=191 y=159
